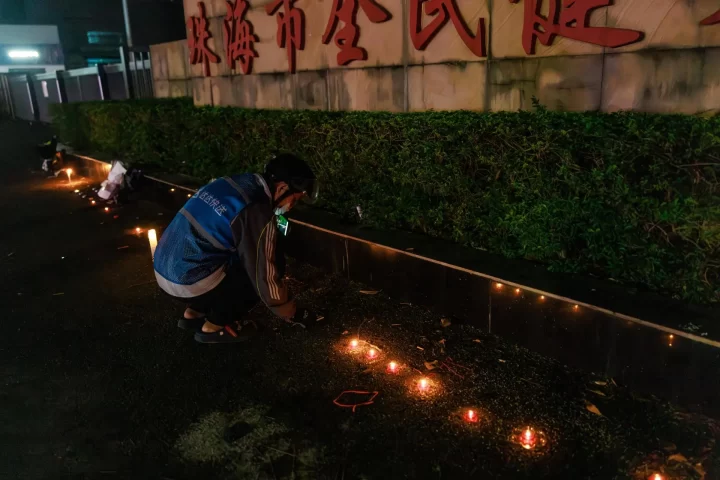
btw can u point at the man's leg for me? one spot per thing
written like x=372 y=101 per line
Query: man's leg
x=231 y=300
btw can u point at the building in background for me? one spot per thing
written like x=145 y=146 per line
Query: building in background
x=30 y=49
x=91 y=32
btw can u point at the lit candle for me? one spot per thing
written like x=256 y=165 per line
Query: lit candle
x=77 y=191
x=517 y=291
x=372 y=353
x=498 y=285
x=657 y=476
x=423 y=384
x=107 y=209
x=172 y=189
x=576 y=307
x=542 y=297
x=528 y=439
x=152 y=238
x=69 y=174
x=92 y=202
x=354 y=343
x=138 y=230
x=392 y=367
x=189 y=195
x=471 y=416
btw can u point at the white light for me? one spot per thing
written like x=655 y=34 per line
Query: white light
x=152 y=238
x=15 y=54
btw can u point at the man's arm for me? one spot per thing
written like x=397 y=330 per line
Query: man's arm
x=256 y=236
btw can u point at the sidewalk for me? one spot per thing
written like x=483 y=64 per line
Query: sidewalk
x=97 y=381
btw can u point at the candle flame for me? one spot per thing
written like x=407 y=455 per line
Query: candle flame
x=172 y=189
x=576 y=307
x=517 y=290
x=657 y=477
x=423 y=384
x=498 y=285
x=107 y=209
x=152 y=238
x=69 y=174
x=77 y=191
x=138 y=230
x=392 y=366
x=354 y=343
x=372 y=353
x=471 y=415
x=542 y=297
x=92 y=202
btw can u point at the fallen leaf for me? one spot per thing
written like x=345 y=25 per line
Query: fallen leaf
x=345 y=332
x=369 y=292
x=395 y=325
x=700 y=470
x=597 y=392
x=477 y=340
x=320 y=318
x=593 y=409
x=501 y=360
x=442 y=342
x=598 y=382
x=678 y=457
x=431 y=365
x=420 y=348
x=445 y=322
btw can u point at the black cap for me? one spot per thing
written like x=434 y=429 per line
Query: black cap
x=292 y=170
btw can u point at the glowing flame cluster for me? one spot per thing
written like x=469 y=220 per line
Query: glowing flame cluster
x=428 y=388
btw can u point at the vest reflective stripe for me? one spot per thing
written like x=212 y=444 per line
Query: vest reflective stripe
x=237 y=187
x=214 y=207
x=201 y=230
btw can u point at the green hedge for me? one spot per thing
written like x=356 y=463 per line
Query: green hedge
x=633 y=197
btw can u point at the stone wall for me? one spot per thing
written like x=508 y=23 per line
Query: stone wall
x=672 y=67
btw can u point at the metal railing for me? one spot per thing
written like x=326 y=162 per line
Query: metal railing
x=29 y=97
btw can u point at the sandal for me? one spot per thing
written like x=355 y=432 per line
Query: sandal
x=194 y=324
x=226 y=335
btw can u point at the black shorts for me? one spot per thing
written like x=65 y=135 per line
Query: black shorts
x=230 y=301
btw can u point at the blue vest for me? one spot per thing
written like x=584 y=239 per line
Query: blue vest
x=200 y=239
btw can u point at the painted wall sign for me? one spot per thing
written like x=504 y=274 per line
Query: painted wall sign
x=712 y=19
x=347 y=37
x=566 y=18
x=239 y=37
x=570 y=19
x=199 y=34
x=442 y=10
x=291 y=28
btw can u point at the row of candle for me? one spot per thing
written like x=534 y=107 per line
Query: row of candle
x=528 y=438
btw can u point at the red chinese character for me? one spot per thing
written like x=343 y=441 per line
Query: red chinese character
x=712 y=19
x=291 y=28
x=442 y=10
x=570 y=19
x=197 y=42
x=239 y=37
x=348 y=36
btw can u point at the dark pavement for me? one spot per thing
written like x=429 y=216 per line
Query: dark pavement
x=98 y=383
